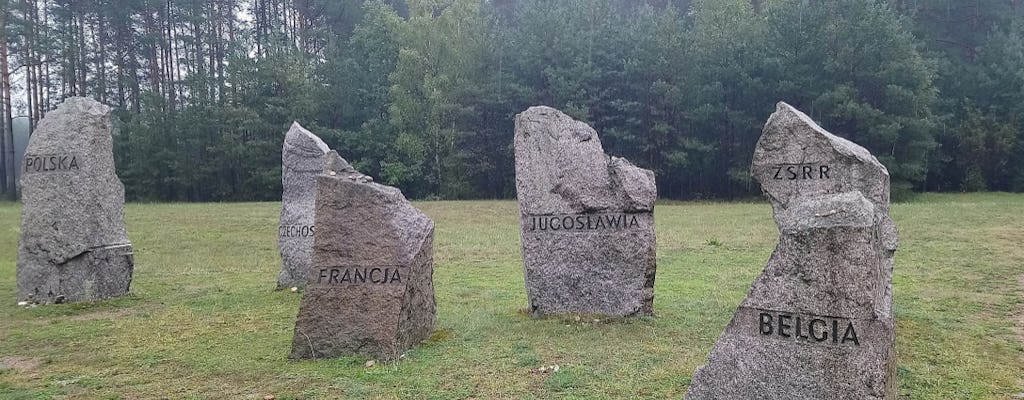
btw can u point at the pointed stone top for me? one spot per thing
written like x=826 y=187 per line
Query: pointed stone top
x=84 y=105
x=797 y=157
x=72 y=112
x=300 y=140
x=302 y=150
x=797 y=162
x=561 y=167
x=788 y=122
x=559 y=126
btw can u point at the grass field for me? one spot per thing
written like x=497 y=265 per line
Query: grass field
x=205 y=323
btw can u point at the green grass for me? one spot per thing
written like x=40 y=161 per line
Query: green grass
x=205 y=323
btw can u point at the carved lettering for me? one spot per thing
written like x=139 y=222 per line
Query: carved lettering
x=766 y=323
x=799 y=332
x=358 y=275
x=581 y=222
x=35 y=163
x=784 y=325
x=792 y=326
x=814 y=331
x=801 y=172
x=851 y=334
x=299 y=231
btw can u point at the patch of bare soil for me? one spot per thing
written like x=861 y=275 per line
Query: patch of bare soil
x=101 y=315
x=21 y=364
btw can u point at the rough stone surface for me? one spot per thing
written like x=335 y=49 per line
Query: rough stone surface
x=817 y=323
x=587 y=220
x=302 y=160
x=73 y=245
x=370 y=290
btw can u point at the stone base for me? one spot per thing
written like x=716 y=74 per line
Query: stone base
x=97 y=274
x=823 y=361
x=816 y=324
x=380 y=320
x=591 y=272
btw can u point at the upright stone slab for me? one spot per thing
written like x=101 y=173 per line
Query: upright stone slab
x=302 y=160
x=817 y=323
x=370 y=290
x=73 y=245
x=587 y=220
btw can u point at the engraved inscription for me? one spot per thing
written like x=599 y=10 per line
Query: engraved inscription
x=801 y=172
x=581 y=222
x=50 y=163
x=300 y=231
x=807 y=328
x=358 y=275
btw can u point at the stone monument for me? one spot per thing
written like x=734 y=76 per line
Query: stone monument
x=73 y=245
x=302 y=160
x=370 y=290
x=817 y=323
x=586 y=220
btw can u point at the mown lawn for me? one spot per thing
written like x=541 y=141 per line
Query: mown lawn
x=205 y=323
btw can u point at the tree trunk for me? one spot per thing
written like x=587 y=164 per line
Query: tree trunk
x=98 y=37
x=154 y=65
x=43 y=87
x=29 y=88
x=226 y=19
x=82 y=91
x=102 y=37
x=212 y=20
x=68 y=53
x=133 y=65
x=6 y=129
x=176 y=47
x=169 y=62
x=120 y=54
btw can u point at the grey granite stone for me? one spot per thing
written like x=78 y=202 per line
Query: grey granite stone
x=817 y=323
x=587 y=220
x=370 y=290
x=74 y=246
x=302 y=160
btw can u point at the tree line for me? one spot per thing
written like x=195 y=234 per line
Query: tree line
x=421 y=94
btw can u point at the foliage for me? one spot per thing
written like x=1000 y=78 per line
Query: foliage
x=860 y=75
x=421 y=94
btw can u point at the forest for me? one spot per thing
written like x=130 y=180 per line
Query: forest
x=421 y=94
